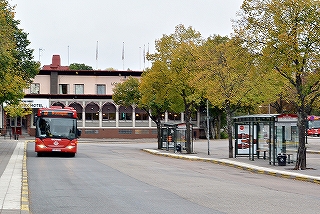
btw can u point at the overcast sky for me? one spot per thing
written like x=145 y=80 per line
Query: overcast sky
x=72 y=28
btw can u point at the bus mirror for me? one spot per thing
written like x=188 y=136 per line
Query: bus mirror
x=78 y=132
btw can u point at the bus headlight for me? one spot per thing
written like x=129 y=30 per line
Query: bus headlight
x=70 y=147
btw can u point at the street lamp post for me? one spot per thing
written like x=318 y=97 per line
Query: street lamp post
x=208 y=128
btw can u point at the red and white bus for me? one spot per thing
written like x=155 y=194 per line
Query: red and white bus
x=313 y=125
x=56 y=130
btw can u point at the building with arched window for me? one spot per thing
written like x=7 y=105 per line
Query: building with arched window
x=90 y=93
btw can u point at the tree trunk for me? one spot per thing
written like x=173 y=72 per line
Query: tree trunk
x=188 y=136
x=301 y=154
x=301 y=159
x=302 y=120
x=218 y=127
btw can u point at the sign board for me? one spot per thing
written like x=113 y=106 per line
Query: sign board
x=36 y=103
x=243 y=139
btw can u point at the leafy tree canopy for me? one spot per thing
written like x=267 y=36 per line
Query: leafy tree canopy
x=17 y=110
x=284 y=34
x=154 y=94
x=177 y=53
x=17 y=68
x=127 y=93
x=110 y=69
x=78 y=66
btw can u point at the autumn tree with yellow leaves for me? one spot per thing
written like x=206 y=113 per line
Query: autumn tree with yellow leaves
x=284 y=35
x=230 y=78
x=17 y=68
x=178 y=53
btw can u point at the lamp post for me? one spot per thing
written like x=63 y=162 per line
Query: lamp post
x=208 y=128
x=261 y=110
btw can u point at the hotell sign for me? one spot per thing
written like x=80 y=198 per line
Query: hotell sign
x=36 y=103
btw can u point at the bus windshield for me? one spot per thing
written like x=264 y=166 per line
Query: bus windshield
x=56 y=128
x=314 y=124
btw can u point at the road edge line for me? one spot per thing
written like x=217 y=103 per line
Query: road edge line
x=25 y=184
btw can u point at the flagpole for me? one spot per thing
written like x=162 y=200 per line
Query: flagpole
x=140 y=57
x=144 y=57
x=97 y=56
x=68 y=56
x=148 y=53
x=123 y=56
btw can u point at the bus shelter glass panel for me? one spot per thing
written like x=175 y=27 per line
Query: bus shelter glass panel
x=293 y=143
x=167 y=137
x=181 y=136
x=287 y=139
x=280 y=146
x=246 y=145
x=264 y=136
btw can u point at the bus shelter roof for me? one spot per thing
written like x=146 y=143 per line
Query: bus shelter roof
x=256 y=118
x=174 y=124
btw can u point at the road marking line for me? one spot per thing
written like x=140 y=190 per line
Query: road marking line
x=25 y=185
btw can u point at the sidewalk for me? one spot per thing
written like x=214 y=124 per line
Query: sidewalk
x=218 y=154
x=12 y=177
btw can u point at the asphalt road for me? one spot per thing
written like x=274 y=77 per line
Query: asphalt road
x=119 y=178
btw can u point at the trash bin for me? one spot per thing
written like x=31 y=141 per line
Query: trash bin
x=178 y=147
x=281 y=159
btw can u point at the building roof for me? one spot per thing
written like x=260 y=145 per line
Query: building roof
x=65 y=70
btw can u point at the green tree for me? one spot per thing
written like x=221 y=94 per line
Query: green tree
x=79 y=66
x=17 y=66
x=154 y=94
x=178 y=52
x=146 y=94
x=229 y=78
x=285 y=34
x=127 y=93
x=110 y=69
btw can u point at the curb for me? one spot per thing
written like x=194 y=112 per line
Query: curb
x=25 y=187
x=242 y=166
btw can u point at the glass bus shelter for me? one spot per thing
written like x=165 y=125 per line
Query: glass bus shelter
x=173 y=136
x=267 y=136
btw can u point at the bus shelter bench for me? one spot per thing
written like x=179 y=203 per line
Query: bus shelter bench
x=264 y=153
x=289 y=157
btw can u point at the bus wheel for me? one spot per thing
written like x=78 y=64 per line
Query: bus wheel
x=39 y=154
x=72 y=155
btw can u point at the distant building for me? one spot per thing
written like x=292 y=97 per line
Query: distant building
x=90 y=93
